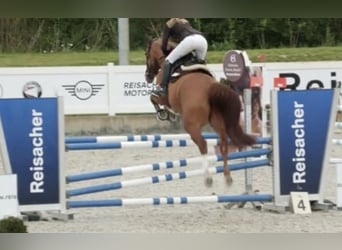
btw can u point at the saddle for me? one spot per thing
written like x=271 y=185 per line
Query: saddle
x=187 y=64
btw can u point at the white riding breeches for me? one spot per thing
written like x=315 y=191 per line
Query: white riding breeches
x=194 y=42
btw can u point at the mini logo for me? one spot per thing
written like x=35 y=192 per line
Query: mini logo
x=83 y=90
x=32 y=89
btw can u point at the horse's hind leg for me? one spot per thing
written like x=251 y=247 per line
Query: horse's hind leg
x=196 y=135
x=218 y=125
x=224 y=152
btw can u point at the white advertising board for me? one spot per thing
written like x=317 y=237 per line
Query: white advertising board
x=129 y=91
x=8 y=196
x=118 y=89
x=301 y=75
x=217 y=71
x=85 y=89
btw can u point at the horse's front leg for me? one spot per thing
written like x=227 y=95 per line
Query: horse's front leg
x=162 y=114
x=155 y=103
x=208 y=179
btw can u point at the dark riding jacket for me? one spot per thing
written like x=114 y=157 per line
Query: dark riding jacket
x=176 y=30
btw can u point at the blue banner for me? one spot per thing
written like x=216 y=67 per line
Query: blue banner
x=303 y=125
x=31 y=132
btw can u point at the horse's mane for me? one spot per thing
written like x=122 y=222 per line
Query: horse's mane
x=150 y=42
x=170 y=46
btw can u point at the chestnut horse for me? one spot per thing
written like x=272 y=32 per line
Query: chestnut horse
x=200 y=100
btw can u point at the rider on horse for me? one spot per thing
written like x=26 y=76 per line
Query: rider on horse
x=187 y=39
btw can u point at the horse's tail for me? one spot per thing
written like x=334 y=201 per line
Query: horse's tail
x=225 y=103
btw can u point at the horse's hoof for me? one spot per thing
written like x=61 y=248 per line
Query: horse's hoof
x=229 y=180
x=209 y=181
x=162 y=115
x=172 y=117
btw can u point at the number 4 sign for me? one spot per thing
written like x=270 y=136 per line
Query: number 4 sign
x=299 y=203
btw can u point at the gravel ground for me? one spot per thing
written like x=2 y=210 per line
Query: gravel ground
x=190 y=218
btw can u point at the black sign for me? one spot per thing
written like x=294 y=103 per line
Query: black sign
x=233 y=65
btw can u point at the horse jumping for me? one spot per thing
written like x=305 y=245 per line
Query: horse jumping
x=200 y=100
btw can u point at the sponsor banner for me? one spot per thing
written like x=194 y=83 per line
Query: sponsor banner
x=85 y=94
x=85 y=89
x=301 y=140
x=121 y=89
x=300 y=75
x=130 y=93
x=31 y=131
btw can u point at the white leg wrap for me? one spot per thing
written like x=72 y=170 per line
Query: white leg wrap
x=205 y=164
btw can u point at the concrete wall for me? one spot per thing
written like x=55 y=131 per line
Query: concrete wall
x=116 y=125
x=125 y=124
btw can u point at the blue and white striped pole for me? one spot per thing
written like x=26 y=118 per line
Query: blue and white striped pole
x=162 y=165
x=170 y=200
x=138 y=144
x=162 y=178
x=338 y=124
x=146 y=144
x=131 y=138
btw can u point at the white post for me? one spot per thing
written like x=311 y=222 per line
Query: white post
x=110 y=80
x=8 y=196
x=247 y=97
x=123 y=28
x=339 y=186
x=3 y=151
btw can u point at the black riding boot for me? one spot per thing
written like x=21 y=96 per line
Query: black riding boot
x=164 y=81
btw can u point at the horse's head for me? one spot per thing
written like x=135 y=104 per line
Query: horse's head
x=154 y=59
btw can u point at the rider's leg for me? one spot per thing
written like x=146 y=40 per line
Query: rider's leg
x=190 y=43
x=182 y=49
x=200 y=46
x=195 y=42
x=164 y=80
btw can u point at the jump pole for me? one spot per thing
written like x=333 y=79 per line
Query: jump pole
x=170 y=200
x=162 y=165
x=145 y=144
x=149 y=137
x=161 y=178
x=133 y=138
